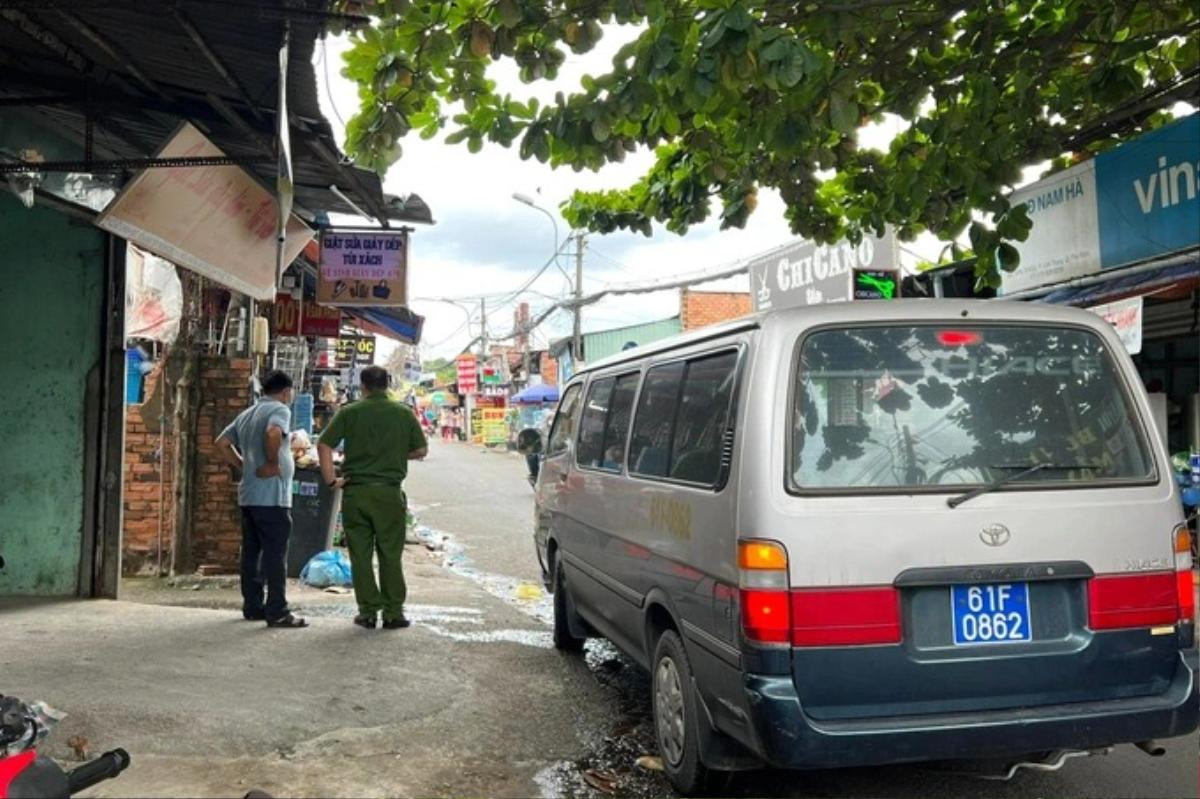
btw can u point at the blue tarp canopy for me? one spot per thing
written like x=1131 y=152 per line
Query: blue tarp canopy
x=1119 y=286
x=536 y=395
x=398 y=323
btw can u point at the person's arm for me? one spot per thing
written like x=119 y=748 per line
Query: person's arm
x=331 y=436
x=226 y=451
x=325 y=455
x=227 y=444
x=273 y=440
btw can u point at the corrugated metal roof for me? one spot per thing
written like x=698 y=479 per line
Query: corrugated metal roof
x=609 y=342
x=66 y=75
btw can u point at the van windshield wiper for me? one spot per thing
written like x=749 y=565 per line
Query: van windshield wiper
x=1026 y=470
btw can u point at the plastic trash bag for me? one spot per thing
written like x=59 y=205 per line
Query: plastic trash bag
x=327 y=568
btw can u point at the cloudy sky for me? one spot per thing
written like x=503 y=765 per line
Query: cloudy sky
x=486 y=243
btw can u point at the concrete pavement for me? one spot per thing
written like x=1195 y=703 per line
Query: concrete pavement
x=470 y=701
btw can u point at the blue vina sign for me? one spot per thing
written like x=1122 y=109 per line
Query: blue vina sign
x=1147 y=194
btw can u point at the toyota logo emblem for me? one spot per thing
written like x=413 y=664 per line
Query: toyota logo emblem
x=995 y=535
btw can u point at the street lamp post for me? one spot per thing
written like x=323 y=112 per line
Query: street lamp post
x=576 y=305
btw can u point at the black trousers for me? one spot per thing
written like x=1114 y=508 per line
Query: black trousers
x=265 y=533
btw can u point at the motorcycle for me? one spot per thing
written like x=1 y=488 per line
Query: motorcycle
x=25 y=774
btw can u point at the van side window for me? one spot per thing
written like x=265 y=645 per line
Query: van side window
x=591 y=426
x=620 y=409
x=702 y=417
x=564 y=422
x=650 y=451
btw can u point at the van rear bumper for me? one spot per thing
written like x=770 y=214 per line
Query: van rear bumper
x=790 y=739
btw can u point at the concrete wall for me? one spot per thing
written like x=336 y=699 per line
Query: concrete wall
x=51 y=299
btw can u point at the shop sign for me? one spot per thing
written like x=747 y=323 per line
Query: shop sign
x=876 y=284
x=1128 y=204
x=215 y=220
x=806 y=273
x=1126 y=317
x=1149 y=194
x=363 y=268
x=467 y=379
x=1064 y=241
x=493 y=423
x=355 y=351
x=318 y=320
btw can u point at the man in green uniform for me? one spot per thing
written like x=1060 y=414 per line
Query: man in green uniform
x=380 y=437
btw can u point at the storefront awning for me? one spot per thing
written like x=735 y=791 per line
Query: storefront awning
x=1139 y=282
x=400 y=324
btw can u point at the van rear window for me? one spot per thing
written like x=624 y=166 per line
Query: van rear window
x=926 y=406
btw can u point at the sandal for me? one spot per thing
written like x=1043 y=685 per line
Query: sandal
x=289 y=622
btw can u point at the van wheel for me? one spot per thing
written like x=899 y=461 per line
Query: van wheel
x=564 y=639
x=675 y=716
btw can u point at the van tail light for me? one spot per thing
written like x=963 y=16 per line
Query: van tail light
x=845 y=616
x=1118 y=601
x=763 y=581
x=774 y=614
x=1185 y=591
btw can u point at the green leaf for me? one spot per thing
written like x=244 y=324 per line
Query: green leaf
x=843 y=114
x=601 y=129
x=1008 y=257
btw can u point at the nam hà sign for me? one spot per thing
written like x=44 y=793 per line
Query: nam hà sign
x=806 y=273
x=1132 y=203
x=217 y=221
x=1064 y=241
x=362 y=268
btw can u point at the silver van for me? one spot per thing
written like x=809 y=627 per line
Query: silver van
x=876 y=532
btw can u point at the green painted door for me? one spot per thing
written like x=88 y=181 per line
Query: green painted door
x=51 y=299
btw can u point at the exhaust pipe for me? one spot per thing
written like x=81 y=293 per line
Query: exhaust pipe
x=1151 y=747
x=1053 y=762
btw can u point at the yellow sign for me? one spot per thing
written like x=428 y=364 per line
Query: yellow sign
x=494 y=425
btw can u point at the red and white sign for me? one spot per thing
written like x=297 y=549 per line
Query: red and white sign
x=1126 y=317
x=468 y=380
x=318 y=320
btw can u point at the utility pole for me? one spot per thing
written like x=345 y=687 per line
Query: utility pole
x=577 y=339
x=483 y=340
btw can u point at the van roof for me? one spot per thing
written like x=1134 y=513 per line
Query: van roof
x=675 y=342
x=917 y=310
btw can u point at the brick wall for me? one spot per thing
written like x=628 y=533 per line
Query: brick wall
x=549 y=369
x=216 y=520
x=143 y=469
x=703 y=308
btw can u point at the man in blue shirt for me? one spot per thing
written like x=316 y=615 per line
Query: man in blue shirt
x=256 y=443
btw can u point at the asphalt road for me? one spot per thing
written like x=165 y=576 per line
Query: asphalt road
x=481 y=498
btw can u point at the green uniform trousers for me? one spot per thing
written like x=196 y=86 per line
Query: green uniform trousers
x=374 y=518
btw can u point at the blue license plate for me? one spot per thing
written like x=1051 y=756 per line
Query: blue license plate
x=990 y=614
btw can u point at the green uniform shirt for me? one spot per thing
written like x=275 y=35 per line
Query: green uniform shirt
x=378 y=434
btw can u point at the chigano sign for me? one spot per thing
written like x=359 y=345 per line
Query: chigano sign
x=807 y=273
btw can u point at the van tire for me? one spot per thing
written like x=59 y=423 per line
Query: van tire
x=676 y=716
x=564 y=639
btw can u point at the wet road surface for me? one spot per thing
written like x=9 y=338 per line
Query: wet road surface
x=478 y=505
